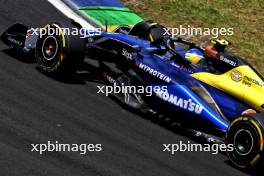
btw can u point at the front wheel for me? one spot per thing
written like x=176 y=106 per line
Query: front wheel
x=246 y=135
x=59 y=52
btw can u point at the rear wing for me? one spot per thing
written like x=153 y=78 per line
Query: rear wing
x=102 y=13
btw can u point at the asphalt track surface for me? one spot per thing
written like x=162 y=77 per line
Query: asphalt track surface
x=35 y=108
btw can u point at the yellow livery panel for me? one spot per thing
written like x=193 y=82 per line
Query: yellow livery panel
x=241 y=82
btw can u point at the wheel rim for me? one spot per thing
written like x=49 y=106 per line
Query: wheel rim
x=243 y=142
x=50 y=48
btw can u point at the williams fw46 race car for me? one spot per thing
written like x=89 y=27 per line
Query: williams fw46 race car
x=207 y=89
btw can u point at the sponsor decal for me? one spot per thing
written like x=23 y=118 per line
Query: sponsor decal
x=182 y=67
x=188 y=105
x=154 y=72
x=15 y=41
x=110 y=79
x=228 y=61
x=127 y=54
x=236 y=76
x=249 y=81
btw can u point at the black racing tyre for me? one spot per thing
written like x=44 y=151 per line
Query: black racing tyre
x=246 y=134
x=59 y=53
x=149 y=31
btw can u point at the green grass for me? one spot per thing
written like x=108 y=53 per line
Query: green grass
x=245 y=16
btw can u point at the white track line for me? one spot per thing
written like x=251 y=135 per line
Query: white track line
x=66 y=10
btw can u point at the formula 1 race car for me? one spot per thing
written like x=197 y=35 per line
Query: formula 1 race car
x=207 y=89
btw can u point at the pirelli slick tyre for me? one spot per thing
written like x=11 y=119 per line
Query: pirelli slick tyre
x=59 y=53
x=246 y=134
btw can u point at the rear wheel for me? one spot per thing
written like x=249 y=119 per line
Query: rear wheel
x=59 y=53
x=246 y=134
x=149 y=31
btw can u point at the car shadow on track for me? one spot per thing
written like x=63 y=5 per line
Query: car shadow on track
x=20 y=56
x=86 y=71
